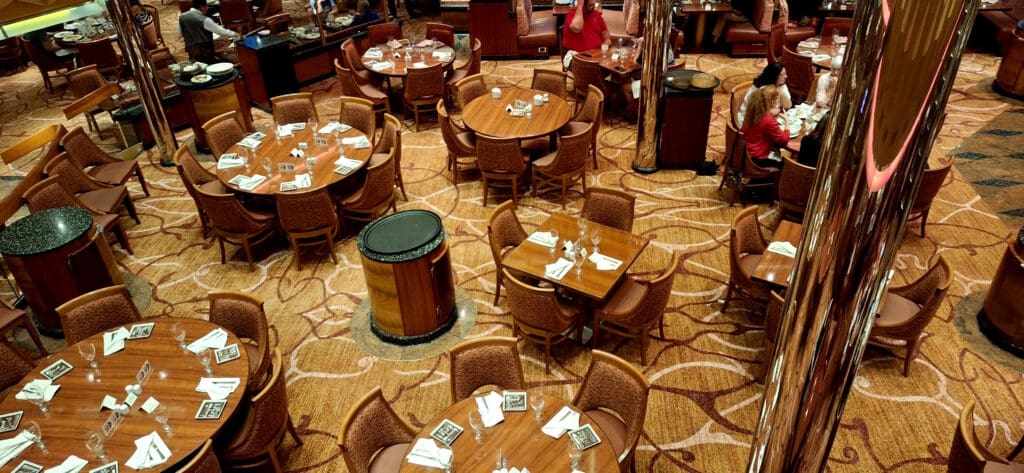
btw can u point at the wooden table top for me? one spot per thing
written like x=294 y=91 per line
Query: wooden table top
x=520 y=440
x=774 y=268
x=401 y=67
x=323 y=171
x=695 y=6
x=608 y=65
x=488 y=116
x=1001 y=5
x=75 y=409
x=531 y=258
x=820 y=52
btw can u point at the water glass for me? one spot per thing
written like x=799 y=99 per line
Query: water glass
x=37 y=435
x=477 y=423
x=204 y=359
x=604 y=50
x=88 y=352
x=41 y=403
x=580 y=260
x=267 y=167
x=162 y=416
x=179 y=334
x=583 y=225
x=574 y=455
x=277 y=132
x=537 y=403
x=94 y=442
x=595 y=238
x=312 y=125
x=554 y=237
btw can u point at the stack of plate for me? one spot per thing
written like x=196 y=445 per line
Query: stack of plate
x=220 y=68
x=704 y=81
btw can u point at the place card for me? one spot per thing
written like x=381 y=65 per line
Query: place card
x=584 y=437
x=10 y=421
x=113 y=420
x=447 y=432
x=108 y=468
x=141 y=331
x=286 y=167
x=227 y=354
x=149 y=405
x=210 y=410
x=288 y=186
x=130 y=399
x=238 y=180
x=514 y=401
x=27 y=467
x=56 y=370
x=109 y=402
x=319 y=141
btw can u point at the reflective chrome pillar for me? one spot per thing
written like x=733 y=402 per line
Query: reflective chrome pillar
x=657 y=27
x=897 y=74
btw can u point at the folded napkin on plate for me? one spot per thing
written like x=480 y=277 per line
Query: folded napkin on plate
x=784 y=248
x=821 y=57
x=380 y=66
x=230 y=160
x=558 y=269
x=489 y=407
x=810 y=43
x=218 y=388
x=543 y=239
x=374 y=53
x=252 y=141
x=426 y=453
x=215 y=339
x=566 y=419
x=357 y=142
x=38 y=389
x=419 y=65
x=248 y=184
x=150 y=451
x=332 y=126
x=604 y=263
x=113 y=342
x=345 y=165
x=73 y=464
x=12 y=447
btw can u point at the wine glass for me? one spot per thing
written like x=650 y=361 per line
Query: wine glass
x=574 y=455
x=204 y=359
x=583 y=227
x=579 y=261
x=94 y=442
x=88 y=352
x=40 y=402
x=604 y=50
x=37 y=435
x=595 y=238
x=179 y=334
x=312 y=125
x=537 y=403
x=161 y=415
x=554 y=237
x=267 y=166
x=477 y=423
x=277 y=132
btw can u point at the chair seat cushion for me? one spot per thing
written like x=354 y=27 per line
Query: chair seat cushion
x=389 y=460
x=545 y=161
x=104 y=200
x=543 y=31
x=214 y=187
x=113 y=173
x=467 y=139
x=749 y=262
x=627 y=295
x=744 y=33
x=373 y=93
x=896 y=310
x=572 y=128
x=253 y=352
x=613 y=428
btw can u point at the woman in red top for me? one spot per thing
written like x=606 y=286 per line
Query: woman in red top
x=761 y=131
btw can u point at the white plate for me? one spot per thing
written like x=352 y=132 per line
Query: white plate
x=201 y=79
x=807 y=53
x=72 y=38
x=220 y=68
x=62 y=34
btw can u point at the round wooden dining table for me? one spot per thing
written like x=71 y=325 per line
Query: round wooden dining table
x=400 y=67
x=280 y=153
x=520 y=441
x=488 y=116
x=75 y=409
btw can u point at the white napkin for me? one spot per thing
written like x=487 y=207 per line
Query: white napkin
x=150 y=451
x=426 y=453
x=443 y=56
x=357 y=142
x=566 y=419
x=113 y=342
x=250 y=142
x=215 y=339
x=230 y=160
x=218 y=388
x=297 y=153
x=489 y=407
x=558 y=269
x=283 y=131
x=806 y=53
x=419 y=65
x=330 y=127
x=567 y=59
x=604 y=263
x=380 y=66
x=73 y=464
x=808 y=43
x=784 y=248
x=12 y=447
x=374 y=53
x=345 y=165
x=303 y=181
x=424 y=43
x=821 y=57
x=297 y=126
x=38 y=389
x=394 y=44
x=249 y=184
x=543 y=239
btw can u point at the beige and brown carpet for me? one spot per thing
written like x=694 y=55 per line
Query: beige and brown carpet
x=704 y=401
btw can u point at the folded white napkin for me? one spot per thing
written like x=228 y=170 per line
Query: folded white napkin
x=218 y=388
x=230 y=160
x=374 y=53
x=424 y=43
x=443 y=56
x=808 y=43
x=330 y=127
x=150 y=451
x=250 y=142
x=284 y=130
x=489 y=407
x=558 y=269
x=806 y=53
x=543 y=239
x=784 y=248
x=249 y=184
x=566 y=419
x=12 y=447
x=345 y=165
x=604 y=263
x=73 y=464
x=394 y=44
x=380 y=66
x=357 y=142
x=303 y=181
x=567 y=59
x=215 y=339
x=38 y=389
x=426 y=453
x=821 y=57
x=113 y=342
x=419 y=65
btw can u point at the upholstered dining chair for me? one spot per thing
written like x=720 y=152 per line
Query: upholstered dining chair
x=294 y=108
x=258 y=436
x=236 y=15
x=232 y=223
x=278 y=23
x=737 y=95
x=194 y=175
x=968 y=454
x=931 y=182
x=540 y=317
x=380 y=33
x=741 y=173
x=82 y=82
x=150 y=40
x=485 y=361
x=461 y=144
x=610 y=207
x=832 y=23
x=203 y=461
x=354 y=62
x=223 y=131
x=46 y=64
x=504 y=233
x=375 y=197
x=96 y=197
x=636 y=307
x=423 y=88
x=244 y=316
x=795 y=184
x=308 y=219
x=470 y=88
x=49 y=193
x=100 y=52
x=746 y=246
x=550 y=81
x=591 y=114
x=11 y=52
x=565 y=166
x=98 y=164
x=359 y=113
x=776 y=41
x=12 y=318
x=502 y=160
x=95 y=312
x=470 y=68
x=371 y=426
x=391 y=138
x=906 y=311
x=586 y=72
x=13 y=367
x=614 y=395
x=441 y=32
x=800 y=70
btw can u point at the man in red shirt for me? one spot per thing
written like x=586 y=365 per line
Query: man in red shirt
x=585 y=28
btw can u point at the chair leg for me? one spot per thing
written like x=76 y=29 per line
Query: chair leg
x=32 y=332
x=595 y=327
x=122 y=237
x=274 y=461
x=248 y=254
x=291 y=430
x=924 y=220
x=330 y=247
x=547 y=355
x=142 y=180
x=129 y=205
x=295 y=248
x=644 y=341
x=223 y=258
x=912 y=347
x=497 y=287
x=728 y=297
x=484 y=203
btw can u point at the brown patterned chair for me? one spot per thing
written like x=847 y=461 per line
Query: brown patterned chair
x=233 y=223
x=96 y=197
x=471 y=68
x=46 y=64
x=549 y=80
x=565 y=166
x=610 y=207
x=371 y=426
x=361 y=114
x=591 y=114
x=968 y=454
x=795 y=184
x=244 y=316
x=540 y=317
x=204 y=461
x=906 y=311
x=586 y=71
x=636 y=307
x=504 y=232
x=294 y=108
x=741 y=173
x=154 y=13
x=354 y=64
x=381 y=33
x=501 y=159
x=99 y=52
x=833 y=23
x=423 y=88
x=12 y=318
x=309 y=219
x=258 y=436
x=800 y=70
x=82 y=82
x=441 y=32
x=485 y=361
x=751 y=37
x=95 y=312
x=98 y=164
x=375 y=197
x=236 y=15
x=737 y=95
x=194 y=175
x=11 y=53
x=931 y=182
x=461 y=144
x=49 y=193
x=469 y=88
x=13 y=367
x=391 y=138
x=223 y=131
x=776 y=41
x=746 y=246
x=614 y=394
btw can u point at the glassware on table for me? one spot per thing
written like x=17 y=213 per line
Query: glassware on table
x=40 y=402
x=277 y=132
x=179 y=334
x=37 y=435
x=88 y=352
x=162 y=416
x=477 y=423
x=267 y=166
x=94 y=442
x=537 y=403
x=583 y=226
x=501 y=462
x=574 y=454
x=554 y=236
x=595 y=238
x=580 y=260
x=604 y=50
x=312 y=125
x=204 y=359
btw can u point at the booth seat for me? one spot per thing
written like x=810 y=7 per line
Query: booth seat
x=750 y=38
x=998 y=26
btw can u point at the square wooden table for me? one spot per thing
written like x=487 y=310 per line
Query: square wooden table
x=774 y=268
x=531 y=258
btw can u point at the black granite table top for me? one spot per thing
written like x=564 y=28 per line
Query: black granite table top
x=401 y=236
x=215 y=81
x=44 y=231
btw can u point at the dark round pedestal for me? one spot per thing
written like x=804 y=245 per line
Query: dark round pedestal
x=1010 y=76
x=1002 y=316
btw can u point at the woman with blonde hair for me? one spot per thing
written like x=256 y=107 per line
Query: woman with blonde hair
x=762 y=133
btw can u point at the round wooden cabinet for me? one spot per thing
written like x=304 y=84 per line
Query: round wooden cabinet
x=1010 y=76
x=408 y=277
x=1002 y=317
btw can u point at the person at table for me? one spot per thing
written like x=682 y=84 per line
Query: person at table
x=773 y=74
x=742 y=11
x=810 y=144
x=763 y=134
x=366 y=14
x=827 y=83
x=43 y=42
x=139 y=15
x=585 y=28
x=197 y=29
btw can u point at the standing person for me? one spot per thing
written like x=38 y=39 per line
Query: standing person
x=366 y=14
x=827 y=83
x=197 y=30
x=585 y=28
x=773 y=74
x=763 y=134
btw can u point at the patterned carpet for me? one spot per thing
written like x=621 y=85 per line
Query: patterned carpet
x=704 y=401
x=992 y=161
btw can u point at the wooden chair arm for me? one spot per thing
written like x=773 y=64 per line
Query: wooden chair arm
x=91 y=101
x=29 y=144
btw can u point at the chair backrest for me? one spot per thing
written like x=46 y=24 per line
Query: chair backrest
x=13 y=367
x=549 y=80
x=473 y=66
x=306 y=211
x=928 y=292
x=795 y=184
x=537 y=307
x=776 y=41
x=658 y=292
x=470 y=88
x=573 y=151
x=278 y=23
x=735 y=148
x=380 y=33
x=504 y=231
x=427 y=82
x=968 y=454
x=745 y=237
x=500 y=154
x=82 y=150
x=48 y=194
x=353 y=60
x=800 y=70
x=244 y=316
x=441 y=32
x=611 y=207
x=235 y=14
x=195 y=173
x=294 y=108
x=227 y=214
x=358 y=113
x=84 y=80
x=379 y=186
x=70 y=176
x=833 y=23
x=96 y=311
x=448 y=133
x=482 y=362
x=390 y=137
x=736 y=97
x=40 y=58
x=99 y=52
x=223 y=131
x=593 y=108
x=585 y=72
x=347 y=81
x=614 y=384
x=931 y=182
x=369 y=427
x=268 y=414
x=204 y=461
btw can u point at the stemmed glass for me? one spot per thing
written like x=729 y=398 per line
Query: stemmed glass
x=582 y=222
x=579 y=260
x=179 y=334
x=94 y=442
x=37 y=435
x=554 y=237
x=477 y=423
x=595 y=238
x=267 y=166
x=40 y=402
x=88 y=351
x=537 y=403
x=161 y=415
x=312 y=125
x=277 y=132
x=574 y=455
x=204 y=359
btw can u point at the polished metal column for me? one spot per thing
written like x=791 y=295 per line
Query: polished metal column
x=897 y=74
x=657 y=27
x=145 y=79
